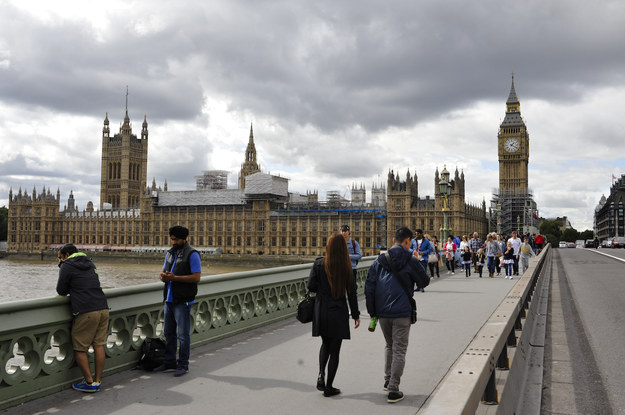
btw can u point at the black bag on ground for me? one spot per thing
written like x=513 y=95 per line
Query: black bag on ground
x=152 y=353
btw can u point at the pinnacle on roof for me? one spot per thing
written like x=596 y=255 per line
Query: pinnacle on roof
x=512 y=98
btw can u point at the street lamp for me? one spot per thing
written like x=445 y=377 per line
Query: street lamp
x=498 y=218
x=444 y=189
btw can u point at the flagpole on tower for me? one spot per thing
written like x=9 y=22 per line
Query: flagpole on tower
x=126 y=98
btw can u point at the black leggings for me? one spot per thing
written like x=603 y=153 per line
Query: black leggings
x=433 y=266
x=451 y=264
x=329 y=355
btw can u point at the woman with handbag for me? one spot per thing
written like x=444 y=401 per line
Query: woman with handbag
x=434 y=257
x=332 y=279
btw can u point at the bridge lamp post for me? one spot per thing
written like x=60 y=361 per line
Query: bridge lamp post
x=498 y=218
x=444 y=189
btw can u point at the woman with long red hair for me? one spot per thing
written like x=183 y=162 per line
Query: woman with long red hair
x=332 y=279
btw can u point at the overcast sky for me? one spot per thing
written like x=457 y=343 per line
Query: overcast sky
x=338 y=92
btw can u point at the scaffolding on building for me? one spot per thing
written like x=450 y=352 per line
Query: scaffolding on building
x=513 y=211
x=212 y=179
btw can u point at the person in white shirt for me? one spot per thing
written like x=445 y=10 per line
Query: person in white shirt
x=516 y=246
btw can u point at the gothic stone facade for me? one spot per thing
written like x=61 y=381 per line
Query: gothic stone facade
x=260 y=217
x=406 y=208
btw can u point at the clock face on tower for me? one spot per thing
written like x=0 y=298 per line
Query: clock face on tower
x=511 y=145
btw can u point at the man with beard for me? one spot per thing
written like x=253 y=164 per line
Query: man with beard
x=181 y=274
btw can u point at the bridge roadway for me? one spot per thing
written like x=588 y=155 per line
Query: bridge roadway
x=273 y=370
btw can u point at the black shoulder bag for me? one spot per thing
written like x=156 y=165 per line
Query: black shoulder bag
x=413 y=303
x=305 y=308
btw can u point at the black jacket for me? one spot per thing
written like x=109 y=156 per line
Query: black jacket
x=331 y=316
x=182 y=292
x=78 y=277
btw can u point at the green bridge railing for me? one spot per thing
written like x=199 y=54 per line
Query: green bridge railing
x=36 y=354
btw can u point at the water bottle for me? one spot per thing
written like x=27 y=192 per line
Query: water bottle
x=374 y=321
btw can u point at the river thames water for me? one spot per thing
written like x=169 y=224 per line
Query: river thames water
x=27 y=279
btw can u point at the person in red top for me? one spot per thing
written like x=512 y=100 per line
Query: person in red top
x=450 y=249
x=539 y=240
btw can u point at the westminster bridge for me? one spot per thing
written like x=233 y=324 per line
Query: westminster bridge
x=478 y=347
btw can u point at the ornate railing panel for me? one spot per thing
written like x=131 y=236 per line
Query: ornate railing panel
x=36 y=354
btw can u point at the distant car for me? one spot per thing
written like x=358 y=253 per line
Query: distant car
x=618 y=242
x=562 y=244
x=606 y=243
x=590 y=243
x=571 y=244
x=579 y=243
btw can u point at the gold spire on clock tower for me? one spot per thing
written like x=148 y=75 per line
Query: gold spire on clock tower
x=513 y=148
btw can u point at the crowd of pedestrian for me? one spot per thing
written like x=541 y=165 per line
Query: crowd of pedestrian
x=497 y=253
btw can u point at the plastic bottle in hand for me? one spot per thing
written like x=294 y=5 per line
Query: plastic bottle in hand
x=374 y=321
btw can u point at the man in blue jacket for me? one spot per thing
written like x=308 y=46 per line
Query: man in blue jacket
x=421 y=245
x=390 y=302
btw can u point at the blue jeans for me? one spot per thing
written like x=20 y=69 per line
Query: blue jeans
x=490 y=263
x=177 y=327
x=509 y=269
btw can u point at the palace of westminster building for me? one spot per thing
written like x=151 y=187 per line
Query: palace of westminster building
x=261 y=216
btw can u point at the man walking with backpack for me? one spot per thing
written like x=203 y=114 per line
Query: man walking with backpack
x=352 y=246
x=389 y=293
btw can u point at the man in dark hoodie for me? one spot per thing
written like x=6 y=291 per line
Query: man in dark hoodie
x=78 y=277
x=181 y=273
x=388 y=290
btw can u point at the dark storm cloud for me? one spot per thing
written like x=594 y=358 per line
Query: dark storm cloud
x=319 y=63
x=21 y=165
x=398 y=64
x=64 y=68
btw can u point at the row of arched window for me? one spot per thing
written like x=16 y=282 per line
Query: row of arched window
x=133 y=202
x=115 y=171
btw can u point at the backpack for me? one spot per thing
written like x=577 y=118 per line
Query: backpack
x=152 y=353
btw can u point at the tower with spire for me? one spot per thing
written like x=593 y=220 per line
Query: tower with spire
x=250 y=165
x=124 y=165
x=515 y=208
x=513 y=147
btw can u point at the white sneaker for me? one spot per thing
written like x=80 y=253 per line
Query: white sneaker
x=453 y=273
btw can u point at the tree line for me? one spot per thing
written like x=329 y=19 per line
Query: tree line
x=4 y=222
x=554 y=234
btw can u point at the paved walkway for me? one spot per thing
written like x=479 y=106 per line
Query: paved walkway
x=273 y=370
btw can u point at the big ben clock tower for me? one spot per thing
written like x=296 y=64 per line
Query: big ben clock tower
x=513 y=203
x=513 y=148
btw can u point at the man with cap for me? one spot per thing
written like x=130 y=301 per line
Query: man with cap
x=352 y=246
x=181 y=274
